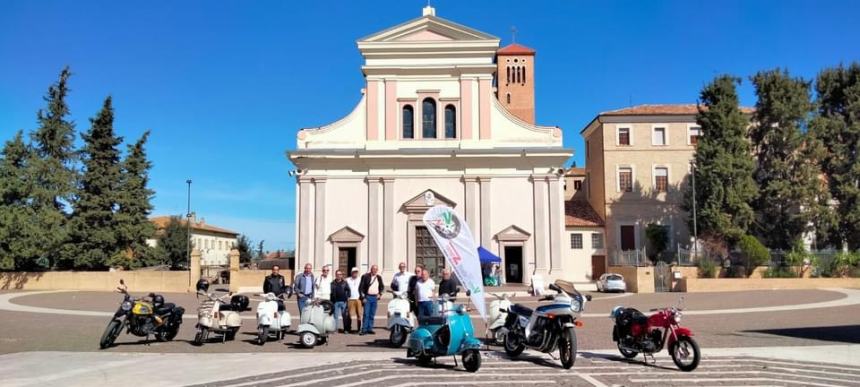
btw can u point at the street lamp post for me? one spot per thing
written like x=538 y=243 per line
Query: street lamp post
x=188 y=231
x=695 y=231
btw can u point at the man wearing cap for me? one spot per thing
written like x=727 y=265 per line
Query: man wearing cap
x=354 y=307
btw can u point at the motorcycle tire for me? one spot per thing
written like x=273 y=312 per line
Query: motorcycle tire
x=171 y=333
x=200 y=337
x=262 y=335
x=685 y=344
x=397 y=336
x=308 y=339
x=110 y=334
x=567 y=348
x=499 y=336
x=626 y=353
x=231 y=334
x=513 y=349
x=471 y=360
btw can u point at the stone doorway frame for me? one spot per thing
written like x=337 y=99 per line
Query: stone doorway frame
x=346 y=237
x=516 y=237
x=414 y=209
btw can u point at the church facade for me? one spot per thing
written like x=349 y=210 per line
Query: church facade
x=446 y=117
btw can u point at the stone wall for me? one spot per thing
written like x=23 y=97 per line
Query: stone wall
x=693 y=284
x=251 y=281
x=638 y=279
x=139 y=281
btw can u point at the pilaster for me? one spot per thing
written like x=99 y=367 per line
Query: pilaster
x=319 y=222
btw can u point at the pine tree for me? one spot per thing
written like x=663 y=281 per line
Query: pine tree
x=133 y=209
x=837 y=128
x=19 y=247
x=724 y=184
x=786 y=171
x=52 y=168
x=173 y=243
x=93 y=237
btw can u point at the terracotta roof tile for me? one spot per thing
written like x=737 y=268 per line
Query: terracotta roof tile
x=161 y=223
x=580 y=213
x=516 y=49
x=666 y=109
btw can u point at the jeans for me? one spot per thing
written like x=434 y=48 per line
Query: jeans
x=369 y=313
x=339 y=308
x=425 y=309
x=302 y=301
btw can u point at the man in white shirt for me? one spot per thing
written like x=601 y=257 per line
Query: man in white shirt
x=400 y=283
x=322 y=286
x=424 y=294
x=354 y=307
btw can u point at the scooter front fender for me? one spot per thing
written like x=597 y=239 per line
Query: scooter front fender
x=399 y=321
x=308 y=328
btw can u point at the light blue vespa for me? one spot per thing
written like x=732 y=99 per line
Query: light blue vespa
x=448 y=332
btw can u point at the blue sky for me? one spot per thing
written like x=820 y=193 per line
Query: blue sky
x=224 y=86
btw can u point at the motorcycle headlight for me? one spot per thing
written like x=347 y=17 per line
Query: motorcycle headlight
x=677 y=317
x=126 y=306
x=576 y=306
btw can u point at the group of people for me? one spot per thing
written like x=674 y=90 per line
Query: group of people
x=355 y=298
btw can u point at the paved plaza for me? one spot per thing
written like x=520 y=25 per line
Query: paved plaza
x=786 y=337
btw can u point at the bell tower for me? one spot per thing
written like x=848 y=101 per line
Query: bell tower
x=515 y=69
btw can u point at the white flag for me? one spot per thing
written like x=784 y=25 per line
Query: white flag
x=454 y=239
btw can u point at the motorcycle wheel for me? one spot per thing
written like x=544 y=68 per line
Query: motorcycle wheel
x=471 y=360
x=685 y=353
x=499 y=336
x=308 y=339
x=513 y=347
x=397 y=336
x=231 y=334
x=567 y=349
x=110 y=334
x=171 y=333
x=262 y=335
x=200 y=337
x=626 y=353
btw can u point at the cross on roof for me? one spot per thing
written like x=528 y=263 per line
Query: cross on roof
x=513 y=33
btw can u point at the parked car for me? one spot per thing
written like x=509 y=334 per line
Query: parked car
x=611 y=282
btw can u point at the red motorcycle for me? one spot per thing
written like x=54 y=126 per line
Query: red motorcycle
x=637 y=333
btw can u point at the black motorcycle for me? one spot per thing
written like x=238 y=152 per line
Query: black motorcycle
x=143 y=317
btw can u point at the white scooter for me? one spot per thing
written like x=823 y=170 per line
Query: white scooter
x=400 y=319
x=316 y=323
x=498 y=314
x=216 y=315
x=271 y=320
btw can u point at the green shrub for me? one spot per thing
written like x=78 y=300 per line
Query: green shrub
x=658 y=239
x=753 y=253
x=845 y=263
x=780 y=272
x=707 y=268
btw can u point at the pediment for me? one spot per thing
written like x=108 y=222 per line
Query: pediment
x=513 y=234
x=419 y=203
x=427 y=28
x=346 y=234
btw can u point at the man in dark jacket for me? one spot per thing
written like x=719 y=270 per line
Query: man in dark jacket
x=448 y=285
x=274 y=283
x=413 y=304
x=371 y=290
x=339 y=296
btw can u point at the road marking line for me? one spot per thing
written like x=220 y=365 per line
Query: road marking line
x=690 y=380
x=588 y=378
x=732 y=373
x=477 y=382
x=390 y=377
x=325 y=371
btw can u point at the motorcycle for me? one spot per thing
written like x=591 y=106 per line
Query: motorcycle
x=316 y=323
x=548 y=327
x=635 y=333
x=498 y=315
x=448 y=332
x=216 y=315
x=272 y=317
x=143 y=317
x=400 y=319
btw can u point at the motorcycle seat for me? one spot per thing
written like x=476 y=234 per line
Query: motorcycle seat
x=166 y=308
x=521 y=310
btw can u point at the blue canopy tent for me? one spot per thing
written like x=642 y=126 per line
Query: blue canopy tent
x=487 y=257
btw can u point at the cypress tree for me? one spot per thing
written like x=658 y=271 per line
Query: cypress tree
x=93 y=235
x=786 y=171
x=837 y=128
x=19 y=246
x=724 y=184
x=52 y=167
x=133 y=209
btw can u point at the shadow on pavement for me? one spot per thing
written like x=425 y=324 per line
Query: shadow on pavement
x=842 y=334
x=621 y=359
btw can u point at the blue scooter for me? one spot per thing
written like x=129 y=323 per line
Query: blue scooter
x=448 y=332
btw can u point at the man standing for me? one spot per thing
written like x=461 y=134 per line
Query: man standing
x=371 y=289
x=413 y=303
x=354 y=303
x=303 y=285
x=339 y=296
x=448 y=285
x=322 y=286
x=424 y=294
x=274 y=283
x=401 y=279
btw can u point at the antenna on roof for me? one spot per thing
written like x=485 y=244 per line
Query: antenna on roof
x=513 y=34
x=630 y=100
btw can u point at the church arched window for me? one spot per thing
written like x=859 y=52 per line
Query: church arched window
x=428 y=114
x=509 y=73
x=408 y=122
x=524 y=74
x=450 y=121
